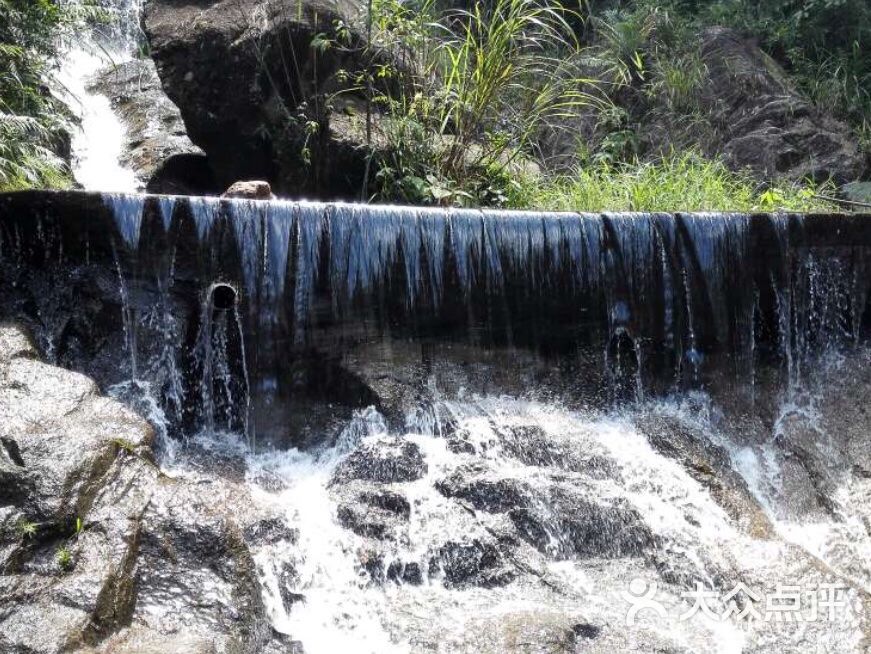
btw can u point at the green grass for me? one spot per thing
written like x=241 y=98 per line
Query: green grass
x=64 y=558
x=683 y=182
x=26 y=529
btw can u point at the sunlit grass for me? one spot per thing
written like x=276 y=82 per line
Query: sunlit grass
x=684 y=182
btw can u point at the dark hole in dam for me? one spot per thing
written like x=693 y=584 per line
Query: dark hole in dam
x=223 y=297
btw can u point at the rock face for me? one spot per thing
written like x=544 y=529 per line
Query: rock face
x=99 y=551
x=745 y=111
x=251 y=86
x=155 y=132
x=766 y=125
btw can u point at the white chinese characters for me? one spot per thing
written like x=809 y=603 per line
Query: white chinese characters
x=784 y=604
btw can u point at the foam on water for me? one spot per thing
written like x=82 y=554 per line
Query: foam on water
x=98 y=143
x=344 y=610
x=339 y=613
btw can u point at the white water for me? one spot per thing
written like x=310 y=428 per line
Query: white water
x=98 y=141
x=344 y=610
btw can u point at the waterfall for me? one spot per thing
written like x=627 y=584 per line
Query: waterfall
x=98 y=142
x=488 y=430
x=665 y=302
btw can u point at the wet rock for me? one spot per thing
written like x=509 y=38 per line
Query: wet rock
x=384 y=461
x=372 y=562
x=540 y=631
x=71 y=522
x=495 y=496
x=460 y=444
x=585 y=631
x=287 y=580
x=471 y=564
x=554 y=515
x=393 y=503
x=530 y=445
x=269 y=530
x=99 y=551
x=195 y=572
x=373 y=513
x=408 y=573
x=361 y=521
x=565 y=523
x=250 y=190
x=710 y=465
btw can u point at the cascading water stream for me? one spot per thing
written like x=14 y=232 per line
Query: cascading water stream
x=98 y=141
x=485 y=429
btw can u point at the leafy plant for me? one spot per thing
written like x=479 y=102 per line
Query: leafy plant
x=678 y=80
x=26 y=529
x=32 y=120
x=622 y=41
x=64 y=558
x=473 y=89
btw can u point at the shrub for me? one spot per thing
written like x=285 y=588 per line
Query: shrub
x=472 y=91
x=31 y=119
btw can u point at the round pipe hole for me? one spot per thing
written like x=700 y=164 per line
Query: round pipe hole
x=223 y=296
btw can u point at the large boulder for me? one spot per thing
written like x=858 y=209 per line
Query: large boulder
x=155 y=132
x=99 y=550
x=70 y=516
x=251 y=86
x=765 y=123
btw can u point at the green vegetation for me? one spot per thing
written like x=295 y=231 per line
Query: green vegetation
x=31 y=120
x=474 y=89
x=676 y=183
x=33 y=123
x=466 y=100
x=26 y=529
x=64 y=558
x=478 y=93
x=651 y=46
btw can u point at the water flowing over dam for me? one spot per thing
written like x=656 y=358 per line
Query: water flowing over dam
x=490 y=431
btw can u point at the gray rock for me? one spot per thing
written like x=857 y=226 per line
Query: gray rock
x=566 y=523
x=85 y=480
x=99 y=552
x=155 y=132
x=226 y=65
x=373 y=513
x=476 y=563
x=255 y=190
x=711 y=466
x=386 y=462
x=494 y=496
x=766 y=125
